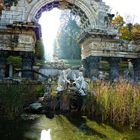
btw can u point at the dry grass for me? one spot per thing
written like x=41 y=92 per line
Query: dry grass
x=118 y=103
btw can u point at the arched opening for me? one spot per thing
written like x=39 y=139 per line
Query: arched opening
x=62 y=24
x=59 y=33
x=77 y=8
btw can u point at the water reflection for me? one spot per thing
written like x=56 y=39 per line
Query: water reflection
x=45 y=135
x=62 y=128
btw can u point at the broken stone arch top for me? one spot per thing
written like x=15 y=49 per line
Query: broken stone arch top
x=82 y=4
x=93 y=11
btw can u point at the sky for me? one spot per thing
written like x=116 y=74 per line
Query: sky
x=49 y=25
x=129 y=9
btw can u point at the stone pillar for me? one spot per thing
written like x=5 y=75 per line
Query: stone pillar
x=10 y=70
x=86 y=68
x=131 y=70
x=27 y=63
x=136 y=68
x=94 y=63
x=2 y=67
x=114 y=70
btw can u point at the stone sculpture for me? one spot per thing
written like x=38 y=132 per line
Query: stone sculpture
x=63 y=80
x=81 y=84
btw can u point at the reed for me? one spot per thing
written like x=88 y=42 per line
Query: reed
x=117 y=103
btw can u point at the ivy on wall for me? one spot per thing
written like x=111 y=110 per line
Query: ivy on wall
x=9 y=3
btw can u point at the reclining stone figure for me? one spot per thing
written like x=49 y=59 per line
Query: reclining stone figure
x=63 y=80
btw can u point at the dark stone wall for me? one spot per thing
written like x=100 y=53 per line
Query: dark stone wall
x=27 y=65
x=136 y=68
x=2 y=64
x=86 y=67
x=114 y=68
x=2 y=67
x=91 y=66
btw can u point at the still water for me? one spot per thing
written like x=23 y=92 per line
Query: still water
x=62 y=128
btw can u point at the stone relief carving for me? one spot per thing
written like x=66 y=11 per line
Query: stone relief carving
x=94 y=5
x=111 y=46
x=29 y=1
x=25 y=39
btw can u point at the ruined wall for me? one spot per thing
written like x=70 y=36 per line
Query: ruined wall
x=25 y=11
x=17 y=40
x=106 y=47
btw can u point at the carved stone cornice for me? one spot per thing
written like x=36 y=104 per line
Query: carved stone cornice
x=109 y=48
x=17 y=39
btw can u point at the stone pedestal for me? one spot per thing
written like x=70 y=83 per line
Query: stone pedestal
x=27 y=63
x=114 y=70
x=93 y=63
x=136 y=68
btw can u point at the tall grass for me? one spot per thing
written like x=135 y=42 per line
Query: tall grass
x=13 y=98
x=117 y=103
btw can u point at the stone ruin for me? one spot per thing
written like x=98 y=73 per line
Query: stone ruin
x=19 y=31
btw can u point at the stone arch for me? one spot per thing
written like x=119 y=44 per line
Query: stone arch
x=82 y=5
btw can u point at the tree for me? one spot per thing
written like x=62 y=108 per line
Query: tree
x=125 y=33
x=39 y=50
x=128 y=31
x=135 y=31
x=118 y=21
x=66 y=42
x=1 y=5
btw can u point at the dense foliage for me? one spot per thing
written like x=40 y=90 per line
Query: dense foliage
x=129 y=31
x=14 y=60
x=39 y=50
x=118 y=21
x=10 y=2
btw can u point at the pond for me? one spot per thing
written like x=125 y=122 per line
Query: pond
x=62 y=128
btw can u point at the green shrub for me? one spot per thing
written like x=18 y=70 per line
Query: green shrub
x=39 y=89
x=14 y=60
